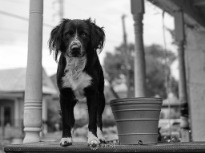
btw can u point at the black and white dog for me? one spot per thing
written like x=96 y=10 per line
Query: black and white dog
x=79 y=74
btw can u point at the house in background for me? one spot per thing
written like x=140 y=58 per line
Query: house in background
x=12 y=89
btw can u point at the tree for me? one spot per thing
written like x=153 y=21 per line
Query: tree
x=159 y=79
x=116 y=68
x=156 y=69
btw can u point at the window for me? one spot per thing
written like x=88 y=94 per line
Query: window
x=6 y=112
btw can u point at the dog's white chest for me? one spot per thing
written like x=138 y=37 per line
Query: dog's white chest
x=75 y=78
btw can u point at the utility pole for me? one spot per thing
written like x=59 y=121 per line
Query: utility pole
x=61 y=11
x=126 y=55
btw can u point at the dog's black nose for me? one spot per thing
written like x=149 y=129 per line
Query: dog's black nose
x=76 y=50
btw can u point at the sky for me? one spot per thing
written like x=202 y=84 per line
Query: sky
x=14 y=16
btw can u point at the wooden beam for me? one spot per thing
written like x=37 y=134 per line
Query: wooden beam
x=183 y=95
x=137 y=6
x=137 y=10
x=192 y=15
x=11 y=95
x=199 y=3
x=33 y=91
x=179 y=26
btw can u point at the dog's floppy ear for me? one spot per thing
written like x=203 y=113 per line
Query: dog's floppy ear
x=55 y=41
x=97 y=36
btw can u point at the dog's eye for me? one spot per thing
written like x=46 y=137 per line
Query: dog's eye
x=83 y=34
x=69 y=33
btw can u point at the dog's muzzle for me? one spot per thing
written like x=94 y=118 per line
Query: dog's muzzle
x=75 y=49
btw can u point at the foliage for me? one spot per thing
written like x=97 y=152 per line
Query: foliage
x=157 y=67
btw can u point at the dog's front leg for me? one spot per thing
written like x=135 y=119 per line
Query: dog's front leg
x=67 y=104
x=92 y=101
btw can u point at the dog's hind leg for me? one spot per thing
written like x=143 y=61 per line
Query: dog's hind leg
x=67 y=105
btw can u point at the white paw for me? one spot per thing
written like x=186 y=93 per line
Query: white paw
x=100 y=135
x=66 y=141
x=92 y=139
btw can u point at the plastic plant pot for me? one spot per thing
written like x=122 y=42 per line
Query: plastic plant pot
x=137 y=119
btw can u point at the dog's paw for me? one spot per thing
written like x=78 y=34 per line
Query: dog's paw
x=100 y=135
x=92 y=139
x=66 y=141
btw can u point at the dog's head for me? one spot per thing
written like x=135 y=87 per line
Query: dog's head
x=76 y=38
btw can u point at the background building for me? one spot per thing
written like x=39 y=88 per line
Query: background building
x=12 y=89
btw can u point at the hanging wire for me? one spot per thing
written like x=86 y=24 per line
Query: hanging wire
x=165 y=74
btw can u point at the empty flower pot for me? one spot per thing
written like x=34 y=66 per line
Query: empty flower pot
x=137 y=119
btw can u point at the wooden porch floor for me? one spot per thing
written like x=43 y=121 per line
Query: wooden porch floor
x=49 y=147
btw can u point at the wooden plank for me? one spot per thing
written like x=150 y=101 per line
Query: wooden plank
x=49 y=147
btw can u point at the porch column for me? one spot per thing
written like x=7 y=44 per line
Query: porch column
x=137 y=10
x=33 y=92
x=183 y=96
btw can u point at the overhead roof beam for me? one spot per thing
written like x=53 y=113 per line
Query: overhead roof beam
x=199 y=2
x=192 y=15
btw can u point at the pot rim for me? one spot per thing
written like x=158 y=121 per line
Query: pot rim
x=138 y=100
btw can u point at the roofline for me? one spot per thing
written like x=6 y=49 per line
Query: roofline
x=191 y=13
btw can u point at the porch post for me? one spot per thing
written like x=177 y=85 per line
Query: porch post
x=33 y=91
x=179 y=31
x=137 y=10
